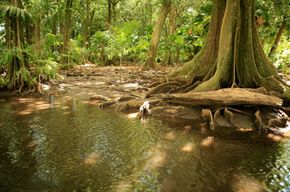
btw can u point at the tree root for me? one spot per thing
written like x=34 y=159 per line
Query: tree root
x=166 y=87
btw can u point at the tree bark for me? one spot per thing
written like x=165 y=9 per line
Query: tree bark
x=37 y=35
x=66 y=30
x=152 y=52
x=278 y=37
x=109 y=13
x=169 y=57
x=86 y=24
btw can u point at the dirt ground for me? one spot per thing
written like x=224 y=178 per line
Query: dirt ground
x=111 y=82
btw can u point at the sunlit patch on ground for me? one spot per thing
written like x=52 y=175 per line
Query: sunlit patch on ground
x=170 y=136
x=243 y=183
x=189 y=147
x=132 y=115
x=207 y=142
x=91 y=159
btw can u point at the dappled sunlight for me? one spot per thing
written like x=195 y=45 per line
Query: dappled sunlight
x=207 y=142
x=30 y=105
x=274 y=137
x=24 y=112
x=244 y=129
x=68 y=98
x=123 y=186
x=243 y=183
x=132 y=115
x=82 y=93
x=170 y=135
x=187 y=127
x=31 y=144
x=25 y=100
x=157 y=158
x=92 y=158
x=203 y=128
x=188 y=147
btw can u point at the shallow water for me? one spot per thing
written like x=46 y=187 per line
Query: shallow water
x=65 y=144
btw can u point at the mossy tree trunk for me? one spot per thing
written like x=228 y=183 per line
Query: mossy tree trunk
x=232 y=56
x=152 y=52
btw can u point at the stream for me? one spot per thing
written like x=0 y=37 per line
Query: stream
x=59 y=144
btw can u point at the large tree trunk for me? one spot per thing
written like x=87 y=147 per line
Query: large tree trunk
x=169 y=57
x=232 y=56
x=152 y=52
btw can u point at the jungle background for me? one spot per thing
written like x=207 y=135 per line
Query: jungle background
x=39 y=37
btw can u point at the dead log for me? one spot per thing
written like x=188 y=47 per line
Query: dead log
x=224 y=97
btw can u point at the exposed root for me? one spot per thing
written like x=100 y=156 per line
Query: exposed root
x=166 y=87
x=207 y=115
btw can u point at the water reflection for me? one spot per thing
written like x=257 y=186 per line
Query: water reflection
x=63 y=144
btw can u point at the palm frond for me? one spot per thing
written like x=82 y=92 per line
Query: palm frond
x=13 y=11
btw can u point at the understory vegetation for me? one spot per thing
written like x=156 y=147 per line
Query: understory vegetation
x=39 y=37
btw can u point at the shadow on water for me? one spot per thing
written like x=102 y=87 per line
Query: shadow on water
x=65 y=144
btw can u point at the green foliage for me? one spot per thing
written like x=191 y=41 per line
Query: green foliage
x=13 y=11
x=281 y=58
x=189 y=37
x=272 y=14
x=3 y=82
x=122 y=41
x=76 y=53
x=45 y=69
x=8 y=55
x=23 y=76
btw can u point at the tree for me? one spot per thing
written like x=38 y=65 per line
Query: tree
x=278 y=37
x=16 y=18
x=233 y=55
x=152 y=52
x=66 y=29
